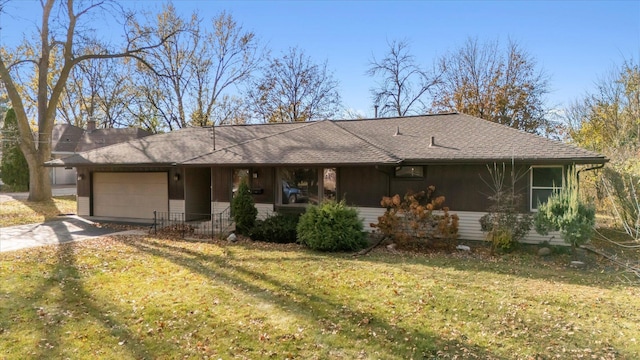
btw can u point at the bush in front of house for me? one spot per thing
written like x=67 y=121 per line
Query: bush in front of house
x=279 y=228
x=244 y=210
x=566 y=212
x=418 y=221
x=331 y=226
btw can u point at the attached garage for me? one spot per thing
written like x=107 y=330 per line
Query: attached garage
x=130 y=194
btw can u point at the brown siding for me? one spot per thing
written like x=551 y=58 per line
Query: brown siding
x=221 y=180
x=83 y=187
x=465 y=186
x=362 y=186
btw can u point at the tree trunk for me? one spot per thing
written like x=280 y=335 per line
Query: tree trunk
x=39 y=182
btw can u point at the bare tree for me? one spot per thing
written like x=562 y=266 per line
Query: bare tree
x=293 y=88
x=500 y=86
x=227 y=57
x=403 y=86
x=60 y=32
x=98 y=90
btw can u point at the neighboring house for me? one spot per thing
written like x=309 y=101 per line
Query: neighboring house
x=196 y=170
x=68 y=140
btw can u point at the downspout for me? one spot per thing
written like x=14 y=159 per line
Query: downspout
x=588 y=169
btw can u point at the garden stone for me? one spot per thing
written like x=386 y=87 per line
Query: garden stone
x=577 y=264
x=392 y=246
x=544 y=251
x=232 y=237
x=463 y=248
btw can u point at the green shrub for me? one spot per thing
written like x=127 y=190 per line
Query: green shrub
x=244 y=210
x=331 y=226
x=564 y=211
x=14 y=170
x=503 y=225
x=280 y=228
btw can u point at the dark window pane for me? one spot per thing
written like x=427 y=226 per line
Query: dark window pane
x=547 y=177
x=239 y=175
x=329 y=184
x=410 y=171
x=540 y=196
x=299 y=185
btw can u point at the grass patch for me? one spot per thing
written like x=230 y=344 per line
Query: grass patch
x=151 y=298
x=20 y=212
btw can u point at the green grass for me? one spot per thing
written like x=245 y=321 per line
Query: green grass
x=150 y=298
x=20 y=212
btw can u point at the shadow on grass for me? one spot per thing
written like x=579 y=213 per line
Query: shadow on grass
x=73 y=298
x=315 y=307
x=523 y=263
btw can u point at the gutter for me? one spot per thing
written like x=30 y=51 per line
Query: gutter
x=600 y=166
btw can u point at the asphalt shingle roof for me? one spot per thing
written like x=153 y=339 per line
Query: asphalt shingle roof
x=457 y=138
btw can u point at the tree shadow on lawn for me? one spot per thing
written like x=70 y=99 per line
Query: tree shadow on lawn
x=318 y=309
x=74 y=303
x=48 y=209
x=523 y=264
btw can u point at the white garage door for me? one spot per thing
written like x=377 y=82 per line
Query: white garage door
x=130 y=195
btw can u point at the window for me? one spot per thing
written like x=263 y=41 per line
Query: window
x=307 y=185
x=410 y=171
x=544 y=181
x=239 y=175
x=329 y=184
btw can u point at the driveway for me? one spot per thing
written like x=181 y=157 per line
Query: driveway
x=66 y=229
x=56 y=190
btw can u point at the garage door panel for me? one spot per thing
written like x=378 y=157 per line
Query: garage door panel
x=129 y=195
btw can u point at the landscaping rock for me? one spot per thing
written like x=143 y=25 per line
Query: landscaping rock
x=544 y=251
x=463 y=248
x=577 y=264
x=392 y=246
x=232 y=237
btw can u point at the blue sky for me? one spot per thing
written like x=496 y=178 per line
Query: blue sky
x=575 y=42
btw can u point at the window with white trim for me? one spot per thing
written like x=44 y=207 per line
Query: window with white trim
x=544 y=181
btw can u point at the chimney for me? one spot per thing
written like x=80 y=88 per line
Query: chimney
x=91 y=125
x=375 y=107
x=432 y=143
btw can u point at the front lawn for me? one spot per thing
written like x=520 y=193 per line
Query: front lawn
x=152 y=298
x=20 y=212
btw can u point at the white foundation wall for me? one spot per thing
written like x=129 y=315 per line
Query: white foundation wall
x=370 y=215
x=176 y=206
x=468 y=226
x=84 y=206
x=264 y=211
x=219 y=206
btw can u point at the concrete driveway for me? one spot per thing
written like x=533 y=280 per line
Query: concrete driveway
x=66 y=229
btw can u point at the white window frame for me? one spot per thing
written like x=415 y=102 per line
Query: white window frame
x=532 y=204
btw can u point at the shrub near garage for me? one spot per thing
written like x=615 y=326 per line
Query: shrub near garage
x=331 y=226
